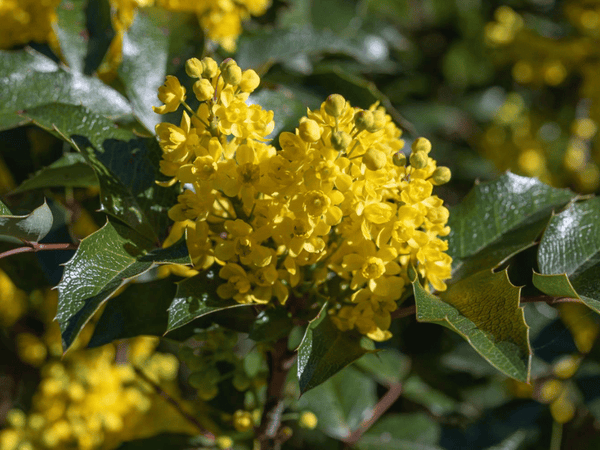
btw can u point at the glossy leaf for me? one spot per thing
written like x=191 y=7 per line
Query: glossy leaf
x=197 y=297
x=293 y=46
x=569 y=254
x=325 y=350
x=105 y=261
x=4 y=210
x=271 y=324
x=70 y=29
x=140 y=310
x=29 y=79
x=499 y=219
x=126 y=165
x=342 y=402
x=484 y=309
x=144 y=64
x=31 y=227
x=70 y=170
x=415 y=431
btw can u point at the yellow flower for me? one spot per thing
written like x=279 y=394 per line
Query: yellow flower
x=172 y=93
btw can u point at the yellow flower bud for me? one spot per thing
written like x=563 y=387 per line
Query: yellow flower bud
x=418 y=160
x=399 y=159
x=203 y=90
x=421 y=145
x=563 y=408
x=340 y=140
x=194 y=68
x=440 y=176
x=224 y=442
x=309 y=130
x=231 y=72
x=242 y=420
x=334 y=105
x=210 y=67
x=550 y=390
x=250 y=81
x=378 y=121
x=566 y=367
x=374 y=159
x=308 y=420
x=363 y=120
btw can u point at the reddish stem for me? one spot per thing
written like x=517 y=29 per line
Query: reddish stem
x=381 y=407
x=33 y=247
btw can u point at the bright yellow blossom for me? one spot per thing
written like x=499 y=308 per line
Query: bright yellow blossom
x=330 y=207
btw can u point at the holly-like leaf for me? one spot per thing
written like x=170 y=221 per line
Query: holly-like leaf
x=415 y=431
x=31 y=227
x=569 y=254
x=325 y=350
x=197 y=297
x=499 y=219
x=144 y=64
x=126 y=165
x=140 y=310
x=71 y=32
x=105 y=261
x=484 y=309
x=70 y=170
x=342 y=402
x=29 y=79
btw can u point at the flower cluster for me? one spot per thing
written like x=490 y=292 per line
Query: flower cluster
x=87 y=399
x=337 y=207
x=562 y=149
x=24 y=21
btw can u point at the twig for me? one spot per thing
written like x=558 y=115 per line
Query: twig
x=381 y=407
x=280 y=361
x=160 y=391
x=404 y=312
x=36 y=247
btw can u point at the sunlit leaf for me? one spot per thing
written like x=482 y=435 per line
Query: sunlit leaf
x=30 y=227
x=484 y=309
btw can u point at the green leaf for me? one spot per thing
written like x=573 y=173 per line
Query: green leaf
x=126 y=165
x=70 y=170
x=105 y=261
x=418 y=391
x=387 y=367
x=325 y=350
x=484 y=309
x=31 y=227
x=416 y=431
x=4 y=210
x=271 y=324
x=514 y=442
x=70 y=29
x=29 y=79
x=342 y=402
x=144 y=64
x=292 y=46
x=140 y=310
x=499 y=219
x=569 y=254
x=197 y=297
